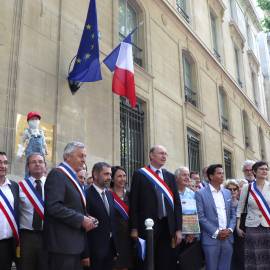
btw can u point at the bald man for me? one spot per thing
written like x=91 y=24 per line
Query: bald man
x=149 y=199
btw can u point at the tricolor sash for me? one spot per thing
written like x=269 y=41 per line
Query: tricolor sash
x=158 y=183
x=120 y=206
x=9 y=213
x=260 y=200
x=201 y=185
x=33 y=196
x=72 y=177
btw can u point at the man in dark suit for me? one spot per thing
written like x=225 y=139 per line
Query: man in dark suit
x=99 y=203
x=9 y=197
x=217 y=220
x=66 y=221
x=147 y=200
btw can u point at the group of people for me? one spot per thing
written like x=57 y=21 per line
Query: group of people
x=60 y=221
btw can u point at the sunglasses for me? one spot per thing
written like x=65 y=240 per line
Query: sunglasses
x=233 y=189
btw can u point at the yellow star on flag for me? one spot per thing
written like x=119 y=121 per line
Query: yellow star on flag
x=87 y=55
x=78 y=60
x=88 y=26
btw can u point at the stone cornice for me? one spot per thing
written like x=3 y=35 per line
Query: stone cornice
x=249 y=7
x=253 y=61
x=218 y=5
x=236 y=33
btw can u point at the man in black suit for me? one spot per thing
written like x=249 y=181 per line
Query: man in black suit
x=9 y=191
x=99 y=203
x=66 y=221
x=147 y=200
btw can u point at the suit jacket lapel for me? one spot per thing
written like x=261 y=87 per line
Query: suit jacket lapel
x=99 y=200
x=211 y=199
x=15 y=196
x=227 y=205
x=165 y=177
x=110 y=201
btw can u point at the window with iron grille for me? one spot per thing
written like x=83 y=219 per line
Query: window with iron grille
x=223 y=109
x=228 y=163
x=214 y=29
x=128 y=20
x=238 y=61
x=181 y=6
x=131 y=136
x=262 y=144
x=189 y=79
x=246 y=130
x=255 y=89
x=193 y=139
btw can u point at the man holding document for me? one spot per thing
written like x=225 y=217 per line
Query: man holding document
x=190 y=246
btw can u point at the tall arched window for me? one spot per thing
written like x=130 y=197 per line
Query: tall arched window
x=130 y=15
x=261 y=144
x=246 y=130
x=190 y=85
x=224 y=112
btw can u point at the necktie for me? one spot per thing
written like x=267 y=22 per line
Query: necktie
x=161 y=212
x=37 y=221
x=105 y=201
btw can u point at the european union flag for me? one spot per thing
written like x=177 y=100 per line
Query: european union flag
x=87 y=66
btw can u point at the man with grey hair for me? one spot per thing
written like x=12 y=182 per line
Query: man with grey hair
x=247 y=170
x=66 y=220
x=154 y=195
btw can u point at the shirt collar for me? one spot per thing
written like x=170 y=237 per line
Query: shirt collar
x=155 y=169
x=32 y=179
x=213 y=189
x=7 y=182
x=98 y=189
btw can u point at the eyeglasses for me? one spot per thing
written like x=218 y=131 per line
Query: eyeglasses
x=263 y=169
x=233 y=189
x=5 y=162
x=247 y=170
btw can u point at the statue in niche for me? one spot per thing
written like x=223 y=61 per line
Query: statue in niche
x=33 y=138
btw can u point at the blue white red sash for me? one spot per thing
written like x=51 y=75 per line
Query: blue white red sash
x=121 y=206
x=158 y=183
x=9 y=213
x=72 y=177
x=201 y=185
x=33 y=196
x=261 y=202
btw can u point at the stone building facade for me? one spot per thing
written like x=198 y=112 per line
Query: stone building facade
x=198 y=73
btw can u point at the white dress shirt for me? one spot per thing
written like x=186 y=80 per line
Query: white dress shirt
x=221 y=209
x=5 y=230
x=26 y=207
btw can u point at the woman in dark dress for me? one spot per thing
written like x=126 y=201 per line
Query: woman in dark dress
x=118 y=184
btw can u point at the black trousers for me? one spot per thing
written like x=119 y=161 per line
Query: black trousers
x=163 y=251
x=105 y=262
x=33 y=254
x=164 y=254
x=59 y=261
x=7 y=253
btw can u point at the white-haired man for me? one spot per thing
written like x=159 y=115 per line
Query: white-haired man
x=247 y=170
x=66 y=220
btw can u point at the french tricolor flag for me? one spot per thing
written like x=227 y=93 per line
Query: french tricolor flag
x=120 y=61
